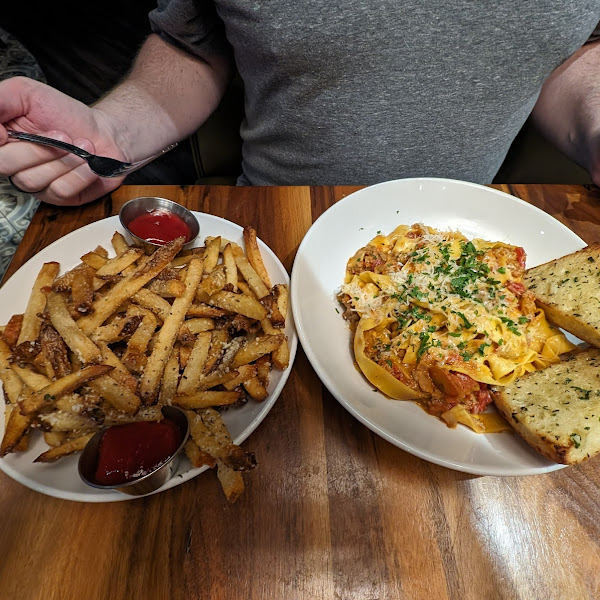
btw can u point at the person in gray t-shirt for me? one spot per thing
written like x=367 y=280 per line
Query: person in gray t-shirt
x=342 y=93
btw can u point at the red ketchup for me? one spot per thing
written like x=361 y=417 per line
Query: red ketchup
x=133 y=450
x=160 y=227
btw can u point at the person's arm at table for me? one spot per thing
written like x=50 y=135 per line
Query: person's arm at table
x=166 y=96
x=568 y=109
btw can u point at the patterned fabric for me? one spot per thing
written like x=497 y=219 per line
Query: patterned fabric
x=16 y=208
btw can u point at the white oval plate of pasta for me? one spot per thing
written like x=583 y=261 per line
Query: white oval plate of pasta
x=475 y=211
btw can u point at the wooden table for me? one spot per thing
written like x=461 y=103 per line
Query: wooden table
x=333 y=511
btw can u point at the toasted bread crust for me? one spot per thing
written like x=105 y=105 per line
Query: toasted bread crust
x=557 y=410
x=568 y=290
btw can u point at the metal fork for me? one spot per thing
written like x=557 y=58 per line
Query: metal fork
x=101 y=165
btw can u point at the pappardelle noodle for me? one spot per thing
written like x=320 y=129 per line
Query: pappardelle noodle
x=438 y=318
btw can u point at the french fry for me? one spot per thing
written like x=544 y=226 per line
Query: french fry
x=231 y=274
x=117 y=329
x=257 y=348
x=282 y=293
x=256 y=389
x=254 y=255
x=12 y=330
x=64 y=324
x=32 y=379
x=199 y=325
x=150 y=380
x=197 y=457
x=54 y=438
x=102 y=251
x=17 y=426
x=135 y=356
x=55 y=351
x=263 y=367
x=36 y=401
x=268 y=328
x=205 y=399
x=82 y=291
x=94 y=260
x=170 y=380
x=64 y=282
x=11 y=382
x=146 y=413
x=126 y=288
x=60 y=421
x=222 y=447
x=201 y=310
x=120 y=372
x=217 y=377
x=219 y=340
x=214 y=281
x=119 y=243
x=180 y=261
x=172 y=288
x=245 y=372
x=30 y=327
x=223 y=242
x=211 y=255
x=245 y=289
x=184 y=355
x=250 y=275
x=281 y=355
x=195 y=364
x=210 y=434
x=116 y=394
x=239 y=303
x=23 y=444
x=116 y=268
x=119 y=263
x=70 y=447
x=159 y=306
x=275 y=315
x=75 y=402
x=232 y=482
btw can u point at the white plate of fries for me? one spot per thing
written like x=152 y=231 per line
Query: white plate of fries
x=318 y=274
x=109 y=335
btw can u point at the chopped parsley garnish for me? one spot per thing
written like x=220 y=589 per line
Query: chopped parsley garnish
x=511 y=325
x=585 y=394
x=465 y=321
x=482 y=348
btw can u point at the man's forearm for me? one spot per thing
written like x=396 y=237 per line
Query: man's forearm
x=568 y=109
x=166 y=96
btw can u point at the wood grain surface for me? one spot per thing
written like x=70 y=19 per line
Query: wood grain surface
x=332 y=511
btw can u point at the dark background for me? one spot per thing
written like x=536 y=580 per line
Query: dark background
x=84 y=48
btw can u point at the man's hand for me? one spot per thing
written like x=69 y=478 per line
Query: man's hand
x=50 y=174
x=167 y=95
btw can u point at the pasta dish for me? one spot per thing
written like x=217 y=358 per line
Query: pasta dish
x=438 y=318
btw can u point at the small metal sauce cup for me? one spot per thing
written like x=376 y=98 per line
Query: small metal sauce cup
x=88 y=460
x=145 y=204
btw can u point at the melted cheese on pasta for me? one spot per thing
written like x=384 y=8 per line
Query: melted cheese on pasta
x=435 y=297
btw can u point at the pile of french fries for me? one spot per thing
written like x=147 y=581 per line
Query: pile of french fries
x=114 y=339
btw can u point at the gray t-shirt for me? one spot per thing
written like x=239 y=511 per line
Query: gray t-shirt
x=362 y=92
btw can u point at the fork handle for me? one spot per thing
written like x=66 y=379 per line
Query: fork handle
x=39 y=139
